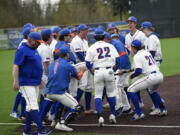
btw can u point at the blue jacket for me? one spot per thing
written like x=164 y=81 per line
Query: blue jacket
x=30 y=65
x=59 y=72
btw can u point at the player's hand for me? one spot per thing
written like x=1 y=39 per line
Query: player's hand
x=16 y=86
x=120 y=72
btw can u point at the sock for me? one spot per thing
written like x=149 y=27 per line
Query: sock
x=41 y=102
x=79 y=95
x=53 y=107
x=104 y=94
x=135 y=101
x=139 y=96
x=112 y=102
x=27 y=121
x=36 y=118
x=45 y=108
x=153 y=99
x=17 y=101
x=98 y=105
x=58 y=105
x=23 y=106
x=88 y=100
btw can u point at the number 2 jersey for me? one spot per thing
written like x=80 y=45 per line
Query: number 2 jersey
x=144 y=60
x=102 y=55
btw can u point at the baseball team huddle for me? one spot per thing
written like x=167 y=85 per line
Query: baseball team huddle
x=61 y=66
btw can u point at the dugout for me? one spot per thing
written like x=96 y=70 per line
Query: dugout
x=164 y=14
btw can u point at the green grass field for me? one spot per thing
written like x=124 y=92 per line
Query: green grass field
x=170 y=66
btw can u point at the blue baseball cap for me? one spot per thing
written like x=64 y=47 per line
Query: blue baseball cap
x=111 y=26
x=26 y=31
x=132 y=18
x=99 y=31
x=73 y=30
x=136 y=43
x=56 y=30
x=46 y=31
x=82 y=27
x=64 y=49
x=28 y=25
x=107 y=35
x=36 y=36
x=146 y=24
x=64 y=31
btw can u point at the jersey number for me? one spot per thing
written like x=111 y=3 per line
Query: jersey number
x=150 y=60
x=100 y=51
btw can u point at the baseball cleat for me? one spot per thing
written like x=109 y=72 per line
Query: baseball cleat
x=29 y=132
x=101 y=121
x=163 y=113
x=45 y=131
x=119 y=111
x=63 y=127
x=112 y=119
x=156 y=111
x=137 y=117
x=14 y=114
x=129 y=111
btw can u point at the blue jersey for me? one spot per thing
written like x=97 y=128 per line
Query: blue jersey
x=122 y=38
x=124 y=62
x=71 y=55
x=59 y=72
x=30 y=65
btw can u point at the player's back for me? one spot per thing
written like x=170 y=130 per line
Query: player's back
x=103 y=54
x=144 y=60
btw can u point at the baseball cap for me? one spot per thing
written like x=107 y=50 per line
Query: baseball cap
x=73 y=30
x=132 y=18
x=46 y=31
x=26 y=31
x=64 y=31
x=64 y=49
x=111 y=26
x=28 y=25
x=82 y=27
x=36 y=36
x=56 y=30
x=136 y=43
x=146 y=24
x=107 y=35
x=99 y=31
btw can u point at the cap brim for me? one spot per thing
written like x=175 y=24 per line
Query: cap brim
x=40 y=41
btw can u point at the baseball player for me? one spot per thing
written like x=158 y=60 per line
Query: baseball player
x=103 y=56
x=27 y=72
x=152 y=78
x=154 y=47
x=79 y=47
x=59 y=72
x=122 y=103
x=135 y=34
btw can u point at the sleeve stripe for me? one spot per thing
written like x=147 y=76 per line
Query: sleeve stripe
x=55 y=67
x=122 y=53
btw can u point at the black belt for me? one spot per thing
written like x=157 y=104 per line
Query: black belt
x=99 y=68
x=153 y=72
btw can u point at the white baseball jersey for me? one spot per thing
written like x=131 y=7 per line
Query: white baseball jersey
x=144 y=60
x=53 y=44
x=102 y=54
x=23 y=41
x=139 y=35
x=78 y=45
x=153 y=44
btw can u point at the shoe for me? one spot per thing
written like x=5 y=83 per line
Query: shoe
x=22 y=118
x=14 y=114
x=119 y=111
x=129 y=111
x=141 y=104
x=91 y=111
x=29 y=132
x=137 y=117
x=101 y=121
x=63 y=127
x=106 y=105
x=112 y=119
x=156 y=111
x=53 y=123
x=163 y=113
x=45 y=131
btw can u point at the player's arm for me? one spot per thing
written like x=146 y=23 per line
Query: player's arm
x=15 y=76
x=80 y=55
x=74 y=73
x=90 y=68
x=136 y=73
x=46 y=65
x=138 y=67
x=88 y=60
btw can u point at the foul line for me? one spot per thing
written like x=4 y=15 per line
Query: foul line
x=106 y=125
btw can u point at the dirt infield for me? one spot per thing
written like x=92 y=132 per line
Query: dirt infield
x=150 y=125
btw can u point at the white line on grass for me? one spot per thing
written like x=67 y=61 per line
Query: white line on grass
x=106 y=125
